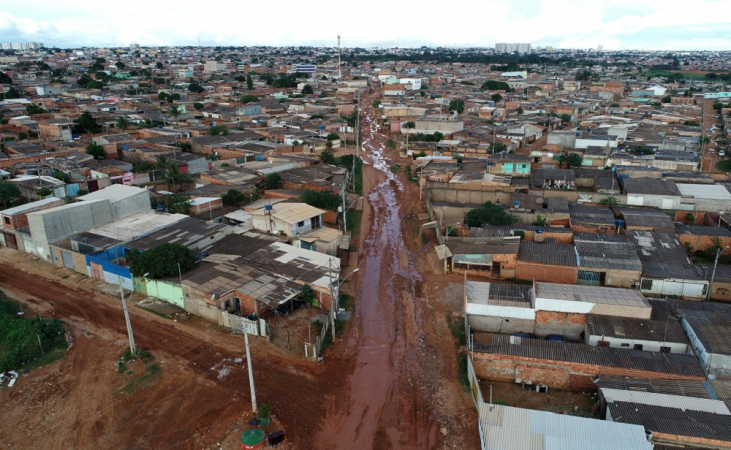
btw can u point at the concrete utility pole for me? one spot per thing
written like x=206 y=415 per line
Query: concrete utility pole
x=251 y=371
x=132 y=347
x=340 y=74
x=713 y=274
x=332 y=296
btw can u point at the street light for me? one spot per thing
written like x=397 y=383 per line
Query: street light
x=713 y=275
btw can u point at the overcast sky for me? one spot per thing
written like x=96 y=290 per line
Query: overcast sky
x=614 y=24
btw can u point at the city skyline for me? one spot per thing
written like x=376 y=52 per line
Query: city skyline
x=614 y=25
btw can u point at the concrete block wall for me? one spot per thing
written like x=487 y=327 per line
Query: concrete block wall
x=493 y=324
x=529 y=271
x=569 y=325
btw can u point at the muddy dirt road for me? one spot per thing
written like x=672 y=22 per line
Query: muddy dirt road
x=397 y=396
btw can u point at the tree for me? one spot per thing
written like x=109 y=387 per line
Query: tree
x=8 y=192
x=198 y=106
x=493 y=85
x=321 y=199
x=178 y=203
x=249 y=98
x=566 y=118
x=195 y=88
x=88 y=123
x=173 y=176
x=496 y=98
x=327 y=157
x=711 y=76
x=217 y=130
x=666 y=99
x=35 y=109
x=120 y=65
x=273 y=180
x=234 y=197
x=96 y=150
x=520 y=110
x=307 y=295
x=570 y=160
x=158 y=65
x=409 y=125
x=333 y=136
x=457 y=105
x=498 y=147
x=5 y=78
x=489 y=213
x=249 y=83
x=43 y=192
x=609 y=202
x=715 y=247
x=175 y=111
x=704 y=140
x=161 y=261
x=307 y=89
x=123 y=123
x=376 y=103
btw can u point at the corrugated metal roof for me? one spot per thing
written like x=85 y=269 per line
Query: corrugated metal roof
x=686 y=365
x=666 y=400
x=707 y=191
x=674 y=387
x=548 y=252
x=673 y=421
x=498 y=294
x=508 y=428
x=591 y=294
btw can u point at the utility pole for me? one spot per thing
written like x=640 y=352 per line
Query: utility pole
x=332 y=295
x=132 y=347
x=251 y=371
x=713 y=274
x=340 y=74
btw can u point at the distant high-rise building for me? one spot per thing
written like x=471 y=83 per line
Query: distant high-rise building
x=33 y=45
x=510 y=48
x=17 y=46
x=6 y=46
x=134 y=45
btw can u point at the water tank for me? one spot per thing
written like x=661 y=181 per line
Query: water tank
x=253 y=439
x=267 y=207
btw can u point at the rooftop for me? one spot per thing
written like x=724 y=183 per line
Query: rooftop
x=591 y=294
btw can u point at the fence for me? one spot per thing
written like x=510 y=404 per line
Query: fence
x=313 y=350
x=474 y=384
x=243 y=325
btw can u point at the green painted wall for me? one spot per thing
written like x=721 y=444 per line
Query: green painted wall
x=168 y=292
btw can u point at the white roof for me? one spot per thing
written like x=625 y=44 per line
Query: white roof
x=113 y=193
x=667 y=401
x=27 y=206
x=292 y=253
x=291 y=212
x=508 y=428
x=710 y=191
x=591 y=294
x=202 y=200
x=137 y=225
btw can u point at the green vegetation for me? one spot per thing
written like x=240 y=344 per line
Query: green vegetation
x=724 y=166
x=150 y=372
x=249 y=98
x=489 y=213
x=672 y=75
x=43 y=192
x=307 y=90
x=8 y=192
x=570 y=160
x=95 y=150
x=457 y=105
x=198 y=106
x=610 y=202
x=497 y=98
x=407 y=171
x=493 y=85
x=35 y=109
x=322 y=199
x=420 y=137
x=395 y=168
x=391 y=144
x=28 y=342
x=273 y=180
x=161 y=261
x=87 y=122
x=307 y=295
x=352 y=221
x=217 y=130
x=234 y=197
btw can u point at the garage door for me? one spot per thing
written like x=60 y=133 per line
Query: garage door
x=667 y=203
x=68 y=259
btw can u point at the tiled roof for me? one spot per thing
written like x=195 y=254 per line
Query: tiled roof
x=548 y=252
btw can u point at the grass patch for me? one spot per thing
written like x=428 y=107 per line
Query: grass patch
x=126 y=367
x=164 y=316
x=409 y=175
x=395 y=168
x=456 y=326
x=352 y=220
x=347 y=302
x=462 y=377
x=391 y=144
x=424 y=239
x=359 y=177
x=25 y=342
x=667 y=73
x=724 y=166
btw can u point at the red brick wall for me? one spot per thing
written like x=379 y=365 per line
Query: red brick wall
x=703 y=242
x=592 y=229
x=12 y=161
x=556 y=374
x=529 y=271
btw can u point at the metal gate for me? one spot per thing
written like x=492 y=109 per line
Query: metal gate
x=10 y=241
x=68 y=259
x=588 y=278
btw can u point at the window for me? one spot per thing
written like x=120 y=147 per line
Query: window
x=665 y=349
x=638 y=347
x=624 y=344
x=301 y=224
x=646 y=285
x=7 y=220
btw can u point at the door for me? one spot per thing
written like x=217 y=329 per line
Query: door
x=589 y=278
x=97 y=271
x=667 y=203
x=68 y=259
x=10 y=241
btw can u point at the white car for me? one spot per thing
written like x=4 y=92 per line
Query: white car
x=721 y=153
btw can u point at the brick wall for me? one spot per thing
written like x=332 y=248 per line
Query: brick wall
x=587 y=228
x=566 y=324
x=529 y=271
x=12 y=161
x=556 y=374
x=703 y=242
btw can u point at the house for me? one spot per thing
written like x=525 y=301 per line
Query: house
x=696 y=237
x=645 y=219
x=505 y=427
x=591 y=219
x=662 y=194
x=661 y=333
x=708 y=327
x=606 y=260
x=514 y=165
x=494 y=257
x=290 y=219
x=16 y=219
x=704 y=197
x=667 y=270
x=553 y=179
x=721 y=288
x=546 y=261
x=195 y=234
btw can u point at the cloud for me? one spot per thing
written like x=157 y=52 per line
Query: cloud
x=615 y=24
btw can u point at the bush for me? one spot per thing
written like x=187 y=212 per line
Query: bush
x=322 y=199
x=489 y=213
x=161 y=261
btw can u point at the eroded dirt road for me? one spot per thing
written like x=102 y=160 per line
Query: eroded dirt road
x=398 y=395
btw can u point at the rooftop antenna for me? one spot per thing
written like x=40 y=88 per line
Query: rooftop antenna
x=340 y=75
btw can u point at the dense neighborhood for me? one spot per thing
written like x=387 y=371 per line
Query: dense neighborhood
x=500 y=248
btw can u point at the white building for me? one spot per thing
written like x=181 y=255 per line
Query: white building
x=292 y=219
x=413 y=84
x=17 y=46
x=510 y=48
